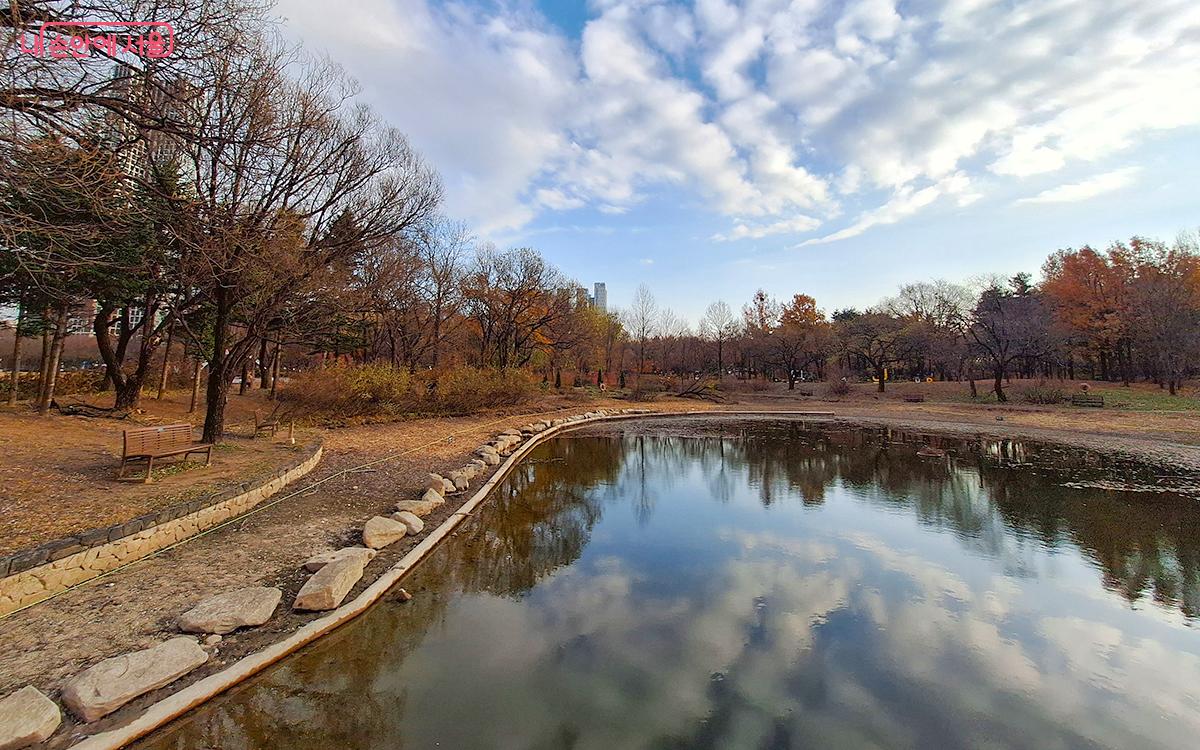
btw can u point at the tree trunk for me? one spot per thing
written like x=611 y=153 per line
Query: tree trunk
x=274 y=373
x=217 y=395
x=220 y=372
x=195 y=387
x=264 y=366
x=44 y=363
x=56 y=350
x=166 y=365
x=881 y=374
x=245 y=384
x=999 y=385
x=14 y=381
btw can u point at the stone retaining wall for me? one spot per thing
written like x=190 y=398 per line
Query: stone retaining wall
x=36 y=574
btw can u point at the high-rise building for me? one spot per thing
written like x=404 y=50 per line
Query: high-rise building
x=600 y=297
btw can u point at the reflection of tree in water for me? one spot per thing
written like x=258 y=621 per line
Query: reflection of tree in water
x=996 y=496
x=999 y=497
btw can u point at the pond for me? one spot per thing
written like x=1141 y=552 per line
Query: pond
x=762 y=583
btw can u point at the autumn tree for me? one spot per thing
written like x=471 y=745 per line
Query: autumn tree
x=1165 y=305
x=802 y=339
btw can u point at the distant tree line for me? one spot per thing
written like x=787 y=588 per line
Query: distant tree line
x=1130 y=312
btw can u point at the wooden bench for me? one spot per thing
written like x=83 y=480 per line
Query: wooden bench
x=915 y=398
x=1087 y=399
x=150 y=443
x=270 y=424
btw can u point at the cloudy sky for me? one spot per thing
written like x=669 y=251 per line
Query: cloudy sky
x=832 y=147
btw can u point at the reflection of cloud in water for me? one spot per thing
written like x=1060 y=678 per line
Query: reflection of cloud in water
x=752 y=657
x=618 y=668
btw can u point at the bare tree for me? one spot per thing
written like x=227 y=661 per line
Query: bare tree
x=278 y=156
x=641 y=319
x=719 y=326
x=1009 y=324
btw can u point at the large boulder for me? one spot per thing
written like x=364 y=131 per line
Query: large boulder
x=485 y=449
x=436 y=483
x=225 y=613
x=410 y=520
x=102 y=689
x=447 y=487
x=27 y=717
x=418 y=507
x=460 y=480
x=381 y=531
x=512 y=431
x=318 y=561
x=491 y=459
x=329 y=585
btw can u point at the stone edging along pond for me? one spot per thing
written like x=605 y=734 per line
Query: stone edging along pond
x=32 y=575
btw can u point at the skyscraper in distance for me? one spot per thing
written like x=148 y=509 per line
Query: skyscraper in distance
x=600 y=296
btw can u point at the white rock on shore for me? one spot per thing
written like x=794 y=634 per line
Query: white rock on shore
x=410 y=520
x=102 y=689
x=226 y=612
x=27 y=717
x=381 y=531
x=316 y=562
x=329 y=585
x=418 y=507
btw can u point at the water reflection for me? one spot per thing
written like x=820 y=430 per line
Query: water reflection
x=767 y=584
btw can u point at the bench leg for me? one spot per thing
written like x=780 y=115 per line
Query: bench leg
x=121 y=471
x=149 y=469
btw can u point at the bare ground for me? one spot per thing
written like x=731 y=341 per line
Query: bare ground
x=367 y=469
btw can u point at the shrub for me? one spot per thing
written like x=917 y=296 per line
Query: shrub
x=364 y=391
x=839 y=388
x=1043 y=393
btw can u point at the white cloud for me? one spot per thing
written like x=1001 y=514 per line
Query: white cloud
x=904 y=203
x=1087 y=189
x=775 y=113
x=796 y=225
x=557 y=199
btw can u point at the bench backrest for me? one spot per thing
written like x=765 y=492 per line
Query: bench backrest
x=149 y=441
x=1087 y=400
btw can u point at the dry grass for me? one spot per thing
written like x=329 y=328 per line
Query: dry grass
x=343 y=394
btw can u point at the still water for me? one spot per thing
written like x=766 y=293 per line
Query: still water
x=769 y=584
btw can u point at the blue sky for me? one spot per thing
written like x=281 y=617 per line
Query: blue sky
x=838 y=148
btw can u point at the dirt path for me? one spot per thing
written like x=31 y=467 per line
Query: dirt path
x=136 y=606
